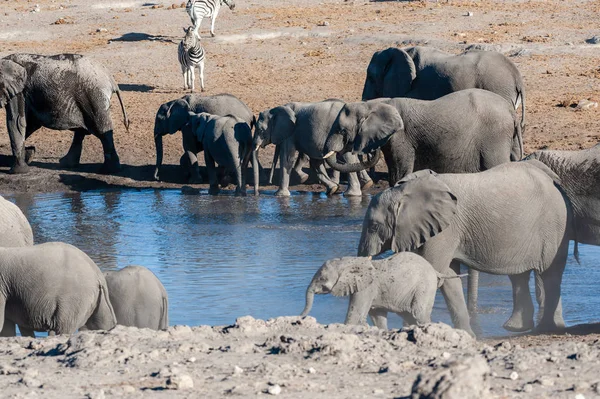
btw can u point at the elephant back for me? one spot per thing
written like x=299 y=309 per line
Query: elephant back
x=15 y=230
x=221 y=105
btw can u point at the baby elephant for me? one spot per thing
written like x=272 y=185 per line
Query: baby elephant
x=138 y=298
x=53 y=287
x=404 y=284
x=226 y=140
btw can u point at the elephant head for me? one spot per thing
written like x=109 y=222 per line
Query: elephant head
x=404 y=217
x=274 y=126
x=389 y=74
x=340 y=277
x=12 y=80
x=361 y=128
x=196 y=125
x=170 y=118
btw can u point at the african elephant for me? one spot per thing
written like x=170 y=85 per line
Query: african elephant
x=138 y=298
x=60 y=92
x=303 y=128
x=226 y=140
x=404 y=284
x=172 y=116
x=426 y=73
x=72 y=287
x=417 y=134
x=487 y=221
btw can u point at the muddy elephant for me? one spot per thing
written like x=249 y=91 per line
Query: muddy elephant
x=60 y=92
x=227 y=141
x=138 y=298
x=426 y=73
x=172 y=116
x=303 y=128
x=487 y=221
x=72 y=287
x=404 y=284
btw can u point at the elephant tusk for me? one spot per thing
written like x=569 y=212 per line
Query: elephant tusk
x=256 y=147
x=330 y=153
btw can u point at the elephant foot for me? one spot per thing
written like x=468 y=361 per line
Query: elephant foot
x=214 y=189
x=19 y=169
x=195 y=180
x=332 y=190
x=226 y=181
x=29 y=154
x=545 y=328
x=303 y=177
x=239 y=192
x=518 y=324
x=367 y=185
x=110 y=167
x=282 y=192
x=68 y=162
x=353 y=192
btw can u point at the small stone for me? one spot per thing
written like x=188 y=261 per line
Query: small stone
x=311 y=370
x=6 y=370
x=182 y=382
x=101 y=30
x=323 y=23
x=581 y=386
x=579 y=396
x=378 y=391
x=514 y=376
x=192 y=360
x=469 y=14
x=96 y=395
x=446 y=355
x=586 y=104
x=128 y=389
x=274 y=389
x=238 y=370
x=528 y=388
x=545 y=381
x=593 y=40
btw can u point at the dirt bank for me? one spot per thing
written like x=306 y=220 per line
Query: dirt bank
x=271 y=52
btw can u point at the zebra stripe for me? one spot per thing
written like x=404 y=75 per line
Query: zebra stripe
x=190 y=54
x=200 y=9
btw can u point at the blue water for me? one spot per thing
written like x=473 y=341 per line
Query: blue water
x=224 y=257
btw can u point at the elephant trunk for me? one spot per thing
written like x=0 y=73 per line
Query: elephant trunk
x=158 y=141
x=310 y=296
x=274 y=164
x=255 y=171
x=473 y=291
x=334 y=143
x=353 y=167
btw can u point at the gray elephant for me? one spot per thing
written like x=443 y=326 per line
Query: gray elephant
x=467 y=131
x=404 y=284
x=303 y=128
x=427 y=73
x=172 y=116
x=72 y=287
x=60 y=92
x=487 y=221
x=138 y=298
x=226 y=140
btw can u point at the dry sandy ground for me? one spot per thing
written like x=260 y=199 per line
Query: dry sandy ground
x=270 y=52
x=295 y=358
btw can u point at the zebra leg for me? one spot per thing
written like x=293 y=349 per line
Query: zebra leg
x=201 y=67
x=192 y=77
x=213 y=18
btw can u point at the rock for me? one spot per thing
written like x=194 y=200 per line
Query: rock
x=311 y=370
x=579 y=396
x=469 y=14
x=101 y=30
x=323 y=23
x=7 y=370
x=527 y=388
x=96 y=395
x=274 y=389
x=128 y=389
x=238 y=370
x=514 y=376
x=545 y=381
x=581 y=386
x=586 y=104
x=461 y=380
x=593 y=40
x=180 y=381
x=378 y=391
x=439 y=335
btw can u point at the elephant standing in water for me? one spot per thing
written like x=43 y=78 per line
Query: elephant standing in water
x=60 y=92
x=509 y=220
x=426 y=73
x=138 y=298
x=53 y=287
x=173 y=116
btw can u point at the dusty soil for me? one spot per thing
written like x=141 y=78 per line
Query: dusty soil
x=271 y=52
x=296 y=359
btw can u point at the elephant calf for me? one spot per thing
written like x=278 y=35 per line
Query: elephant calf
x=53 y=287
x=404 y=284
x=138 y=298
x=226 y=140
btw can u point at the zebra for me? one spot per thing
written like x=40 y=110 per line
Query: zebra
x=191 y=55
x=200 y=9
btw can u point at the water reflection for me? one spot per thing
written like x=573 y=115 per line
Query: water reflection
x=224 y=257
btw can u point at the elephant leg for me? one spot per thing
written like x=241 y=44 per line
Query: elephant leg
x=73 y=157
x=335 y=176
x=353 y=189
x=211 y=168
x=365 y=180
x=399 y=157
x=301 y=162
x=9 y=329
x=408 y=319
x=26 y=332
x=286 y=162
x=358 y=307
x=522 y=314
x=111 y=159
x=317 y=164
x=551 y=318
x=240 y=173
x=379 y=318
x=190 y=145
x=16 y=125
x=472 y=291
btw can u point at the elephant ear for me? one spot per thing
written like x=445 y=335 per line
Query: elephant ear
x=390 y=74
x=177 y=116
x=12 y=80
x=377 y=128
x=199 y=124
x=281 y=124
x=355 y=274
x=423 y=207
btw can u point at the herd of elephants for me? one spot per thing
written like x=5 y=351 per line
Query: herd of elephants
x=461 y=191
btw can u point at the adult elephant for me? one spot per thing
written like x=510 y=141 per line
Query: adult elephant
x=172 y=116
x=60 y=92
x=304 y=128
x=487 y=221
x=427 y=73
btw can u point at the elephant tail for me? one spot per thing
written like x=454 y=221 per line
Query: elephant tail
x=104 y=316
x=115 y=88
x=517 y=151
x=521 y=93
x=164 y=316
